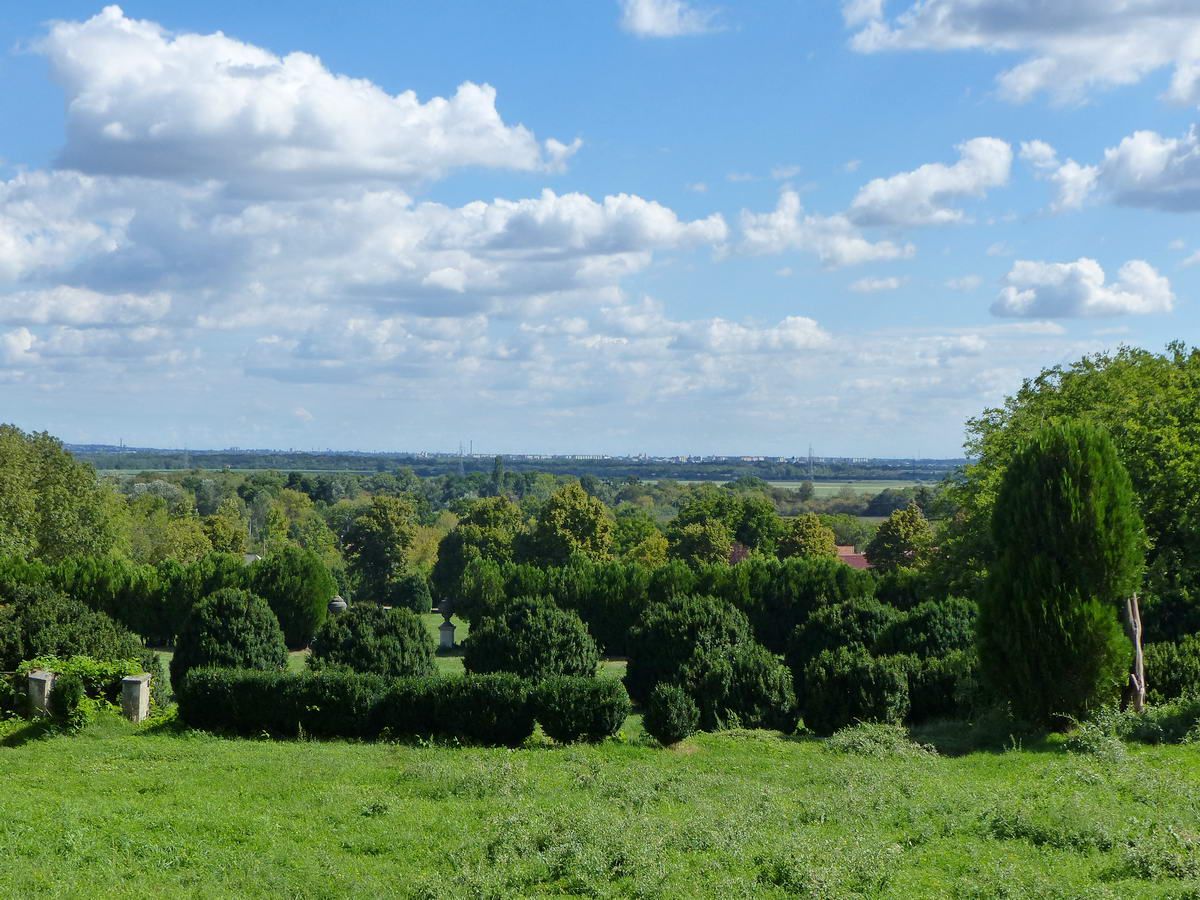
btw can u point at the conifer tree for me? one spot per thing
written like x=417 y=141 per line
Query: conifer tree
x=1070 y=547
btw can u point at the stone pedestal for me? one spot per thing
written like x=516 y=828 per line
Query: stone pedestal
x=41 y=683
x=446 y=631
x=135 y=697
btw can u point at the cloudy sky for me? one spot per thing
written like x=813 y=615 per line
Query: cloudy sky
x=599 y=226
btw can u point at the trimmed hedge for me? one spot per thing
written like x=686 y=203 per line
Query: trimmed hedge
x=581 y=709
x=229 y=628
x=484 y=709
x=368 y=638
x=744 y=686
x=1173 y=669
x=531 y=637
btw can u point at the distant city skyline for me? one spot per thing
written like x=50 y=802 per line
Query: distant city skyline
x=658 y=226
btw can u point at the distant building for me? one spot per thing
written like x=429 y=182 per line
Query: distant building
x=852 y=559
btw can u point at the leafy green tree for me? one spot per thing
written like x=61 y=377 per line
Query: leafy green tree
x=368 y=638
x=905 y=540
x=486 y=532
x=650 y=553
x=571 y=522
x=1070 y=548
x=700 y=543
x=229 y=629
x=377 y=544
x=805 y=537
x=52 y=505
x=226 y=529
x=632 y=526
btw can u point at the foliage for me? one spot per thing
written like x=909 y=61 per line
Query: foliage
x=805 y=536
x=878 y=740
x=570 y=522
x=572 y=709
x=930 y=629
x=903 y=588
x=369 y=638
x=377 y=544
x=229 y=628
x=411 y=592
x=858 y=623
x=941 y=687
x=743 y=686
x=531 y=637
x=52 y=505
x=42 y=622
x=132 y=594
x=848 y=685
x=668 y=633
x=1173 y=669
x=904 y=540
x=1069 y=549
x=298 y=587
x=608 y=596
x=1150 y=404
x=671 y=714
x=699 y=543
x=485 y=709
x=486 y=532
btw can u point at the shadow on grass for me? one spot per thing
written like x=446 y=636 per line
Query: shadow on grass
x=988 y=734
x=30 y=731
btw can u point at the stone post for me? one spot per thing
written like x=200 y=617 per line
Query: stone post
x=40 y=684
x=446 y=631
x=135 y=697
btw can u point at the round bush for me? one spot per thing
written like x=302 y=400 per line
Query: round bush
x=671 y=715
x=412 y=592
x=848 y=685
x=859 y=622
x=742 y=686
x=230 y=629
x=668 y=633
x=581 y=709
x=533 y=638
x=65 y=696
x=369 y=638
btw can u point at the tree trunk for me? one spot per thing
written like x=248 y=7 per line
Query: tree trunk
x=1131 y=618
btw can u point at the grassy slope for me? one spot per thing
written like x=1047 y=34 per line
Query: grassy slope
x=120 y=812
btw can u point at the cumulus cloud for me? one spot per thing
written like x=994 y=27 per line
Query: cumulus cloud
x=144 y=101
x=77 y=306
x=1077 y=289
x=1145 y=169
x=1070 y=49
x=874 y=285
x=921 y=197
x=835 y=240
x=665 y=18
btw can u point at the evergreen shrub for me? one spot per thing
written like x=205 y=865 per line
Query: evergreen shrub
x=743 y=686
x=1173 y=669
x=671 y=715
x=297 y=586
x=848 y=685
x=232 y=629
x=485 y=709
x=669 y=633
x=411 y=591
x=533 y=638
x=42 y=622
x=855 y=623
x=574 y=709
x=932 y=628
x=368 y=638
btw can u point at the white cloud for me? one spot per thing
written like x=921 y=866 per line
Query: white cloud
x=851 y=165
x=76 y=306
x=1077 y=289
x=835 y=240
x=966 y=283
x=665 y=18
x=783 y=173
x=1192 y=260
x=740 y=177
x=999 y=248
x=874 y=285
x=1071 y=48
x=921 y=197
x=144 y=101
x=698 y=186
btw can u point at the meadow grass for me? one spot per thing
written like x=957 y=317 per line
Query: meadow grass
x=125 y=811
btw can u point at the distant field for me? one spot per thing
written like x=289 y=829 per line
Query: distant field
x=864 y=487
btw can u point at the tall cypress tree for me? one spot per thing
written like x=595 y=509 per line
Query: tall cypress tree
x=1070 y=547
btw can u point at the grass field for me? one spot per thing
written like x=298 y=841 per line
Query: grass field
x=155 y=811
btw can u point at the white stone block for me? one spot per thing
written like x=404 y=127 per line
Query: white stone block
x=135 y=697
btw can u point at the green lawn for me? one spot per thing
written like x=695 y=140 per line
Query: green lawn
x=127 y=812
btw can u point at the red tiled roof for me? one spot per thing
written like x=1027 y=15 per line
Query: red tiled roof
x=854 y=560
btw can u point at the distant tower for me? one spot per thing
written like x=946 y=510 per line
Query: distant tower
x=461 y=470
x=810 y=462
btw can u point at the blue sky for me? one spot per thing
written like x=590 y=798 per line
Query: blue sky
x=607 y=226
